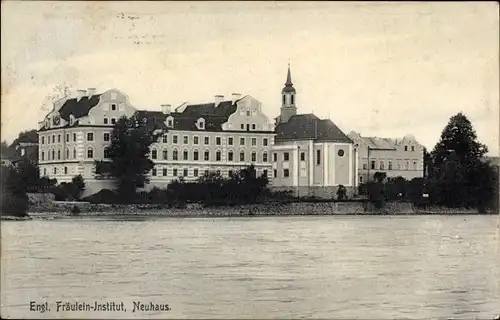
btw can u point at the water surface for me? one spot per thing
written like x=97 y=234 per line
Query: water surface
x=365 y=267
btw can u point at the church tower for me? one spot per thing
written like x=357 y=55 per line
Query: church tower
x=288 y=99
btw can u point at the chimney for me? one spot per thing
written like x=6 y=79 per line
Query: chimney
x=218 y=99
x=166 y=108
x=90 y=92
x=235 y=96
x=80 y=94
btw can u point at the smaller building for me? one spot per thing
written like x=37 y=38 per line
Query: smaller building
x=402 y=157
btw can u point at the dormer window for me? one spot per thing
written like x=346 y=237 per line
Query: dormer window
x=170 y=122
x=71 y=119
x=201 y=124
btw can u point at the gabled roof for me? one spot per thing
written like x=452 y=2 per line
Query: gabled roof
x=78 y=108
x=381 y=143
x=309 y=126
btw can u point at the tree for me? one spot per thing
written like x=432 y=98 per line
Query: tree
x=14 y=198
x=131 y=140
x=458 y=177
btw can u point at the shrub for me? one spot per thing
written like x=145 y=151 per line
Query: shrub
x=14 y=205
x=104 y=196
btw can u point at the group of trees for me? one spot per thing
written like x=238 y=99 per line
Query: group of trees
x=457 y=175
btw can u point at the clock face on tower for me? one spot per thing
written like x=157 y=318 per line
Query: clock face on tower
x=56 y=120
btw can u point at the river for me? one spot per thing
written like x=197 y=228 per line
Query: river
x=365 y=267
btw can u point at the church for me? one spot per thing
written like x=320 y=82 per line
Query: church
x=311 y=156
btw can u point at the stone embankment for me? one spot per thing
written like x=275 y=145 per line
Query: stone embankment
x=55 y=208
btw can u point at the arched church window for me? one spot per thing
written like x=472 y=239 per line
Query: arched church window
x=293 y=98
x=284 y=99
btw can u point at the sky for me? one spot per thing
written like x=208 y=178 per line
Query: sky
x=381 y=69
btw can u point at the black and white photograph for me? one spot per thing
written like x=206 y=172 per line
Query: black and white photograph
x=250 y=160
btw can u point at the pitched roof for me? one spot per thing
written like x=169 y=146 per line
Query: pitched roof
x=308 y=126
x=186 y=120
x=78 y=108
x=380 y=143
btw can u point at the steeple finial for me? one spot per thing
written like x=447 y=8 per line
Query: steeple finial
x=289 y=77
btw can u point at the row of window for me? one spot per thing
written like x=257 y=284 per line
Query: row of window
x=286 y=156
x=54 y=171
x=185 y=172
x=58 y=138
x=206 y=155
x=164 y=139
x=218 y=140
x=412 y=148
x=51 y=155
x=373 y=165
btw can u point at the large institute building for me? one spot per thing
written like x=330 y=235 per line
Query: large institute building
x=299 y=152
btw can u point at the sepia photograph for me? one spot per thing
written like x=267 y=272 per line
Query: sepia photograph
x=250 y=160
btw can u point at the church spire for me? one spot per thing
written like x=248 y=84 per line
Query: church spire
x=289 y=77
x=288 y=107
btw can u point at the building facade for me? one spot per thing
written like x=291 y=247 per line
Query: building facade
x=311 y=156
x=224 y=135
x=402 y=157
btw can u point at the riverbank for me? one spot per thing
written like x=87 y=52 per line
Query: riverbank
x=55 y=208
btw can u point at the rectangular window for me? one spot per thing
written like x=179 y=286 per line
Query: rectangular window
x=113 y=107
x=365 y=166
x=206 y=172
x=382 y=165
x=242 y=126
x=165 y=138
x=113 y=120
x=90 y=136
x=286 y=156
x=164 y=172
x=106 y=136
x=242 y=156
x=275 y=173
x=185 y=155
x=230 y=173
x=195 y=155
x=105 y=121
x=230 y=156
x=175 y=172
x=207 y=140
x=195 y=172
x=414 y=165
x=185 y=139
x=206 y=156
x=318 y=157
x=412 y=148
x=185 y=173
x=174 y=139
x=230 y=141
x=67 y=137
x=74 y=136
x=264 y=157
x=153 y=172
x=302 y=156
x=254 y=156
x=275 y=157
x=390 y=165
x=264 y=172
x=253 y=126
x=165 y=154
x=218 y=156
x=360 y=179
x=248 y=113
x=217 y=141
x=254 y=141
x=372 y=164
x=58 y=138
x=286 y=173
x=43 y=140
x=406 y=148
x=242 y=141
x=264 y=142
x=195 y=140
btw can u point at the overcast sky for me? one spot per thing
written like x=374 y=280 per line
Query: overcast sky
x=381 y=69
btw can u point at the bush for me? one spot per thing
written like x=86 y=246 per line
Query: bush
x=104 y=196
x=14 y=205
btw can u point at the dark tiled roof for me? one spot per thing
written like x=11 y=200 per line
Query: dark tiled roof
x=186 y=120
x=308 y=126
x=78 y=108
